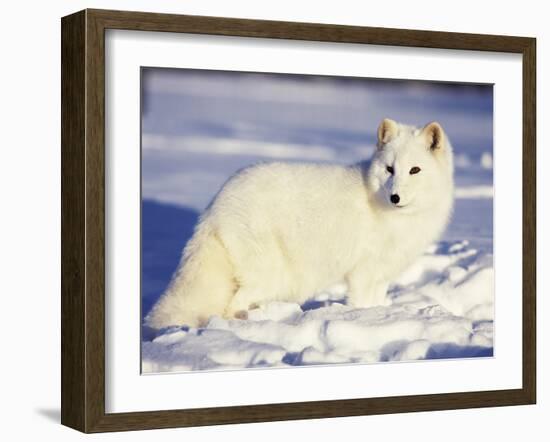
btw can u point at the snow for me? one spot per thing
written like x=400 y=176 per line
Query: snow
x=200 y=127
x=441 y=307
x=474 y=192
x=486 y=160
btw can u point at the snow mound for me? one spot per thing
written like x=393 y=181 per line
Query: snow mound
x=441 y=307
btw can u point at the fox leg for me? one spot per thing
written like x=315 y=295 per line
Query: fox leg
x=242 y=301
x=364 y=291
x=380 y=294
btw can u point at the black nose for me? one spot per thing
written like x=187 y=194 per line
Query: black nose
x=394 y=198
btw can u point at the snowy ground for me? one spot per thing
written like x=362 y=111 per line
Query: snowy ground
x=199 y=128
x=442 y=307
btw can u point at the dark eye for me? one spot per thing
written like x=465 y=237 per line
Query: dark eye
x=414 y=170
x=390 y=169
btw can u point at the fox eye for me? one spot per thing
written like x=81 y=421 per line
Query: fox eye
x=389 y=169
x=414 y=170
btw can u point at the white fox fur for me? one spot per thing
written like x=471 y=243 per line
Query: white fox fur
x=282 y=231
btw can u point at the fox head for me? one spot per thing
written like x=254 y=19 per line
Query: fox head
x=412 y=168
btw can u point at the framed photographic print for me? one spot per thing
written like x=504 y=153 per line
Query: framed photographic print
x=270 y=220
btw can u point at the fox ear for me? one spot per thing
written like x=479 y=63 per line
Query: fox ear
x=386 y=131
x=434 y=135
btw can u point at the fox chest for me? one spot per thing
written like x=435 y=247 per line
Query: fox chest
x=392 y=247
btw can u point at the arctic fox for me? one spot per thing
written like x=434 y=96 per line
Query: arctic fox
x=283 y=231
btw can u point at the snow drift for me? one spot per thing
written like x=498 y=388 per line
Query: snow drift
x=442 y=307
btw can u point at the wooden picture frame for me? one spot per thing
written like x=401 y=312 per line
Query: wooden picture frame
x=83 y=220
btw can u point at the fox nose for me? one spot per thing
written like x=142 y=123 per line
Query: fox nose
x=395 y=198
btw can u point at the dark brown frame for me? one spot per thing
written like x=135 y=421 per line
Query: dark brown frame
x=83 y=220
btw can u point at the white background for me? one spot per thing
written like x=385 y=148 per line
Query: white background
x=128 y=391
x=30 y=221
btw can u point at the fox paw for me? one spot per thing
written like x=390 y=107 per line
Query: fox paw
x=241 y=314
